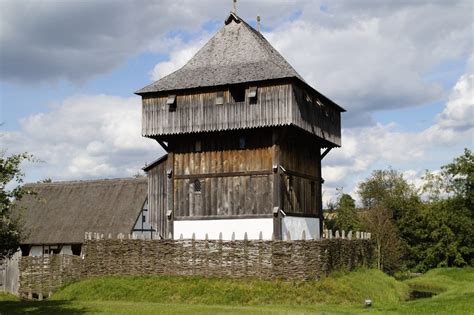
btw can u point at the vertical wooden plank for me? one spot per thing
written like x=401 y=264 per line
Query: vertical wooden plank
x=277 y=187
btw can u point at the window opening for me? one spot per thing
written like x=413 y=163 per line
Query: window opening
x=220 y=98
x=197 y=146
x=242 y=142
x=238 y=93
x=252 y=95
x=197 y=186
x=171 y=102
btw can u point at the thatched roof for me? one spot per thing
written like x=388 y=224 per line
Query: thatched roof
x=236 y=54
x=62 y=211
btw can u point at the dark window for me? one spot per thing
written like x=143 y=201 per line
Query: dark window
x=143 y=218
x=197 y=146
x=242 y=142
x=238 y=93
x=76 y=249
x=25 y=250
x=252 y=95
x=197 y=186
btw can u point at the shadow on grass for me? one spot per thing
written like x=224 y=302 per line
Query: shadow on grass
x=40 y=308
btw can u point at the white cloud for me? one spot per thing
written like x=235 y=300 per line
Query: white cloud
x=374 y=57
x=459 y=112
x=367 y=148
x=48 y=41
x=89 y=136
x=179 y=54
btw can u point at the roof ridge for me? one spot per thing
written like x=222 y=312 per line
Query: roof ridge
x=88 y=181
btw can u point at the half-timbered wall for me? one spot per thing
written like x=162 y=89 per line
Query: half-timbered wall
x=233 y=172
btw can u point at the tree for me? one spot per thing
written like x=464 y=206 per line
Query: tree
x=10 y=224
x=394 y=205
x=448 y=218
x=346 y=214
x=379 y=222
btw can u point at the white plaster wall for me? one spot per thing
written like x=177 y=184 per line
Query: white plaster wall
x=296 y=226
x=36 y=251
x=253 y=227
x=66 y=250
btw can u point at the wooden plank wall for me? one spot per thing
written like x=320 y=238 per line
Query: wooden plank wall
x=302 y=188
x=157 y=198
x=234 y=181
x=323 y=121
x=197 y=112
x=276 y=105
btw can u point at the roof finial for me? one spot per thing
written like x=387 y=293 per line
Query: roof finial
x=234 y=10
x=258 y=23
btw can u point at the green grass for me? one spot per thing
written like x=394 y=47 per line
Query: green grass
x=339 y=288
x=340 y=293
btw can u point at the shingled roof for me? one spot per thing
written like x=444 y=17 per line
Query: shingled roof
x=236 y=54
x=61 y=212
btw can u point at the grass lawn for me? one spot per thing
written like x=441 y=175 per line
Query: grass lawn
x=340 y=293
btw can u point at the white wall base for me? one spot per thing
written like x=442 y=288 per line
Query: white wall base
x=36 y=251
x=296 y=225
x=66 y=250
x=253 y=227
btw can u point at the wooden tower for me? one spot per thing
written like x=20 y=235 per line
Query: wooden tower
x=245 y=136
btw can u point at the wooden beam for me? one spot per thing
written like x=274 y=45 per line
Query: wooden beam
x=224 y=174
x=223 y=217
x=163 y=144
x=301 y=175
x=325 y=152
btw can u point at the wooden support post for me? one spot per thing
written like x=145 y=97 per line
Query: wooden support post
x=320 y=192
x=170 y=196
x=277 y=185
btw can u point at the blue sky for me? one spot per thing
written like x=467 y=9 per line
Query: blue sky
x=403 y=70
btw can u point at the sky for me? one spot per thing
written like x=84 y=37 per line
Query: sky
x=403 y=70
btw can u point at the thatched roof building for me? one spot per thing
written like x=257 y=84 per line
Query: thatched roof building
x=61 y=212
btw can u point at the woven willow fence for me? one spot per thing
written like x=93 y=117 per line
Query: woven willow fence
x=263 y=259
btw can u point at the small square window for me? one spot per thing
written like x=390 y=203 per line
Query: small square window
x=171 y=102
x=238 y=93
x=197 y=186
x=197 y=146
x=252 y=92
x=242 y=142
x=220 y=98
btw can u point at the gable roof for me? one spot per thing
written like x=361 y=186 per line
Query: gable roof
x=61 y=212
x=236 y=54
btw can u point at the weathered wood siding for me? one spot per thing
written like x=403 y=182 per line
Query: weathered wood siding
x=198 y=112
x=318 y=118
x=157 y=198
x=234 y=181
x=276 y=105
x=301 y=181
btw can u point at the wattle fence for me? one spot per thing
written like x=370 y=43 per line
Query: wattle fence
x=263 y=259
